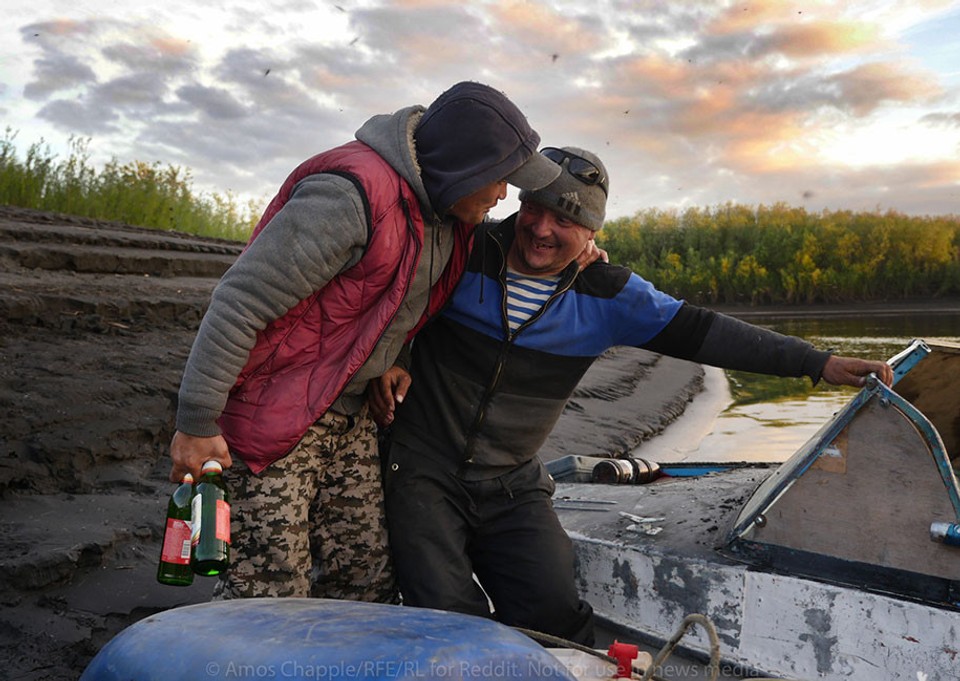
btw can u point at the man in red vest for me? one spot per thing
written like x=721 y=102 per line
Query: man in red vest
x=361 y=244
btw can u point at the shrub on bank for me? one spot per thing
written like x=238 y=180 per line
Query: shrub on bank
x=735 y=254
x=138 y=193
x=728 y=254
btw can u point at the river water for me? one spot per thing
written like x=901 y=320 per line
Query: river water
x=746 y=417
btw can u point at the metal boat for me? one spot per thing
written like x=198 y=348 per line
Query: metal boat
x=841 y=563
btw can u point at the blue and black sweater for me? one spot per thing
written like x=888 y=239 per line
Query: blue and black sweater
x=488 y=399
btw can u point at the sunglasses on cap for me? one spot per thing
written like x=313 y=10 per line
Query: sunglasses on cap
x=582 y=169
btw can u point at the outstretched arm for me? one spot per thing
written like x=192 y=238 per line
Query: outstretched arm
x=719 y=340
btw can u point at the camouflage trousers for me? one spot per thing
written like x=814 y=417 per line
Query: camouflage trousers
x=312 y=524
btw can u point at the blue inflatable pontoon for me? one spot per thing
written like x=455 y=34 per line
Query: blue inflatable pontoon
x=315 y=640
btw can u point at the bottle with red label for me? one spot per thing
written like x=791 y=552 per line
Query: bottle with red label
x=211 y=522
x=174 y=566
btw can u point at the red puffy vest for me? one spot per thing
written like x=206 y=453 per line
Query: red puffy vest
x=302 y=361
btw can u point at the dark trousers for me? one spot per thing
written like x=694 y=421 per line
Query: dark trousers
x=443 y=530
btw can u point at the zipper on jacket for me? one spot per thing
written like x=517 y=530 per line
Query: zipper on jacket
x=505 y=346
x=406 y=288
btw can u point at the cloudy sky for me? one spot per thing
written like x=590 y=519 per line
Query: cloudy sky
x=840 y=105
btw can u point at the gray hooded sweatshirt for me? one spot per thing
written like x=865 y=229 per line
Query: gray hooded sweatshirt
x=320 y=232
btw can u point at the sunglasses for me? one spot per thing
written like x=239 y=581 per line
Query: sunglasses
x=582 y=169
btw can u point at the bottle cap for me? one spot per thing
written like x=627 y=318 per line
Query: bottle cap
x=211 y=467
x=188 y=478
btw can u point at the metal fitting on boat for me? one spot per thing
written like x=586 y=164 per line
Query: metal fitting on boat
x=626 y=471
x=945 y=533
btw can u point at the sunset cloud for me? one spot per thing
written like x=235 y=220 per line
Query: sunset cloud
x=688 y=103
x=950 y=120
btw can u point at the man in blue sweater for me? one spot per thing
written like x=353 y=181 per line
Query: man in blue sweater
x=465 y=492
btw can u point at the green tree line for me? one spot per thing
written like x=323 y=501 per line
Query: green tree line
x=727 y=254
x=738 y=254
x=137 y=193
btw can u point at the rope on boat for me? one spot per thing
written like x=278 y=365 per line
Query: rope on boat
x=556 y=641
x=713 y=666
x=688 y=621
x=540 y=637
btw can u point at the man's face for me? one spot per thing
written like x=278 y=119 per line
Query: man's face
x=545 y=242
x=472 y=208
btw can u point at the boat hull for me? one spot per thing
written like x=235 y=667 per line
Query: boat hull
x=776 y=624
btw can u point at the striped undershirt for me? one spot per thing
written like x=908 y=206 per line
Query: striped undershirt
x=526 y=295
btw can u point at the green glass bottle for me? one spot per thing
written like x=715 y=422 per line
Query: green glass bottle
x=211 y=522
x=174 y=568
